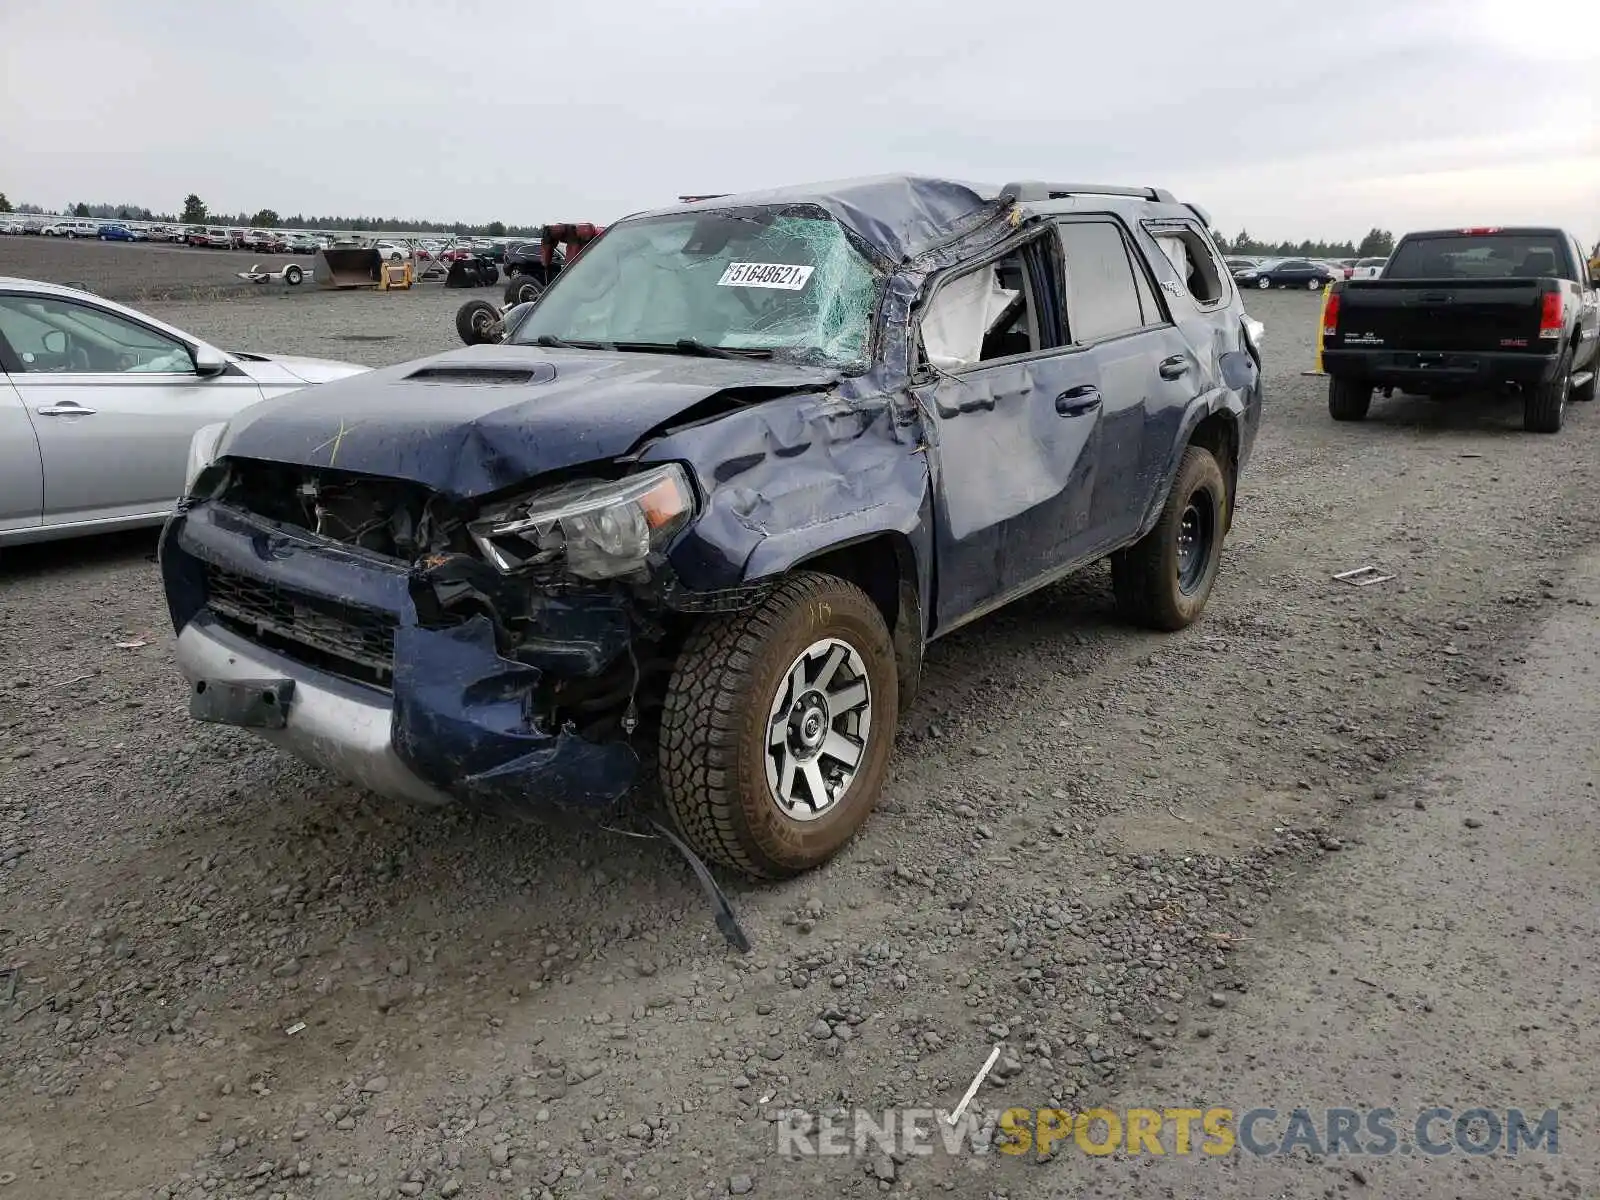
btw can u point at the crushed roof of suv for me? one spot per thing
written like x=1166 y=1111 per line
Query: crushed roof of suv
x=897 y=216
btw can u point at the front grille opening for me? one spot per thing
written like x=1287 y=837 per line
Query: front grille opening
x=345 y=640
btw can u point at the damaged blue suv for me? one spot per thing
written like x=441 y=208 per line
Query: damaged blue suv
x=709 y=501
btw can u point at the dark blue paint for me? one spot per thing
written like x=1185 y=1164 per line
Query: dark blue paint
x=462 y=711
x=461 y=722
x=471 y=439
x=978 y=486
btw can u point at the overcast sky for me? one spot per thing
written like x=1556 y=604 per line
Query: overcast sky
x=1286 y=117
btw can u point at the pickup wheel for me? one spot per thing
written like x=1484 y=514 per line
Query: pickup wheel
x=1163 y=580
x=1348 y=400
x=778 y=725
x=1545 y=407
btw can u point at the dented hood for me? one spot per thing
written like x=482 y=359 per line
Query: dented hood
x=483 y=418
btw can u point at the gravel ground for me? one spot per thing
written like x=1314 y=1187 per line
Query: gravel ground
x=1090 y=839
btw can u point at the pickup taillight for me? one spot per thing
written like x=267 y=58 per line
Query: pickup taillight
x=1330 y=315
x=1552 y=315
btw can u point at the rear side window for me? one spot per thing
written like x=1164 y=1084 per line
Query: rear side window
x=1479 y=256
x=1102 y=288
x=1191 y=255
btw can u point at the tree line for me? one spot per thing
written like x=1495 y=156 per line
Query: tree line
x=1377 y=243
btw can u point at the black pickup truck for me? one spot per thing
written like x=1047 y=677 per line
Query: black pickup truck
x=1458 y=310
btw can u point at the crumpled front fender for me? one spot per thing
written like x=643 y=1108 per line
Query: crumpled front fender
x=463 y=721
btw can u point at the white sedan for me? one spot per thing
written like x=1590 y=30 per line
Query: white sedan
x=99 y=404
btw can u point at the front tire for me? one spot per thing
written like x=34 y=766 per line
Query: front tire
x=1264 y=283
x=292 y=275
x=1348 y=400
x=1315 y=285
x=1545 y=408
x=1165 y=578
x=778 y=726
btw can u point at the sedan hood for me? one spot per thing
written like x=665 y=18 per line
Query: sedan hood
x=272 y=368
x=484 y=418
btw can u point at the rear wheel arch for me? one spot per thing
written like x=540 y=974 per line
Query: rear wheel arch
x=1217 y=431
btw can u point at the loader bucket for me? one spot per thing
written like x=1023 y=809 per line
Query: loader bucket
x=349 y=266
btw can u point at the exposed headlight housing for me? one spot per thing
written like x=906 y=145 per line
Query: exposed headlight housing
x=202 y=452
x=1254 y=331
x=597 y=529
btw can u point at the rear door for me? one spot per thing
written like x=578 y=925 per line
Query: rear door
x=114 y=404
x=1016 y=428
x=1147 y=373
x=1296 y=271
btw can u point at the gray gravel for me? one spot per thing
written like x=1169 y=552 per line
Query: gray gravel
x=1089 y=834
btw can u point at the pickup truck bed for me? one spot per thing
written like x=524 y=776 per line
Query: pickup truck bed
x=1456 y=311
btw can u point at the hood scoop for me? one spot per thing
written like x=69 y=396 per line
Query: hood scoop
x=503 y=374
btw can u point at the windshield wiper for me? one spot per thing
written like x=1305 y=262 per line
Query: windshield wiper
x=550 y=339
x=695 y=347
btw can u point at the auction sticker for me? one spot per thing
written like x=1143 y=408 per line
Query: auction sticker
x=765 y=275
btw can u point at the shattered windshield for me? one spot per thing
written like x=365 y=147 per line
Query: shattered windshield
x=785 y=282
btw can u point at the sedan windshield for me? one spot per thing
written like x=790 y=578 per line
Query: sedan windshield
x=783 y=283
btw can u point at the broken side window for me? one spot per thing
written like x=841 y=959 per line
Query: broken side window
x=1195 y=263
x=990 y=312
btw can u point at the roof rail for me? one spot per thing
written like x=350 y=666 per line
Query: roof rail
x=1034 y=190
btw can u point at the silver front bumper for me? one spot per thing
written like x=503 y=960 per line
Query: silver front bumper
x=339 y=726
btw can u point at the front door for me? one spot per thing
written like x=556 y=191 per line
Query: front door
x=1016 y=421
x=21 y=480
x=114 y=405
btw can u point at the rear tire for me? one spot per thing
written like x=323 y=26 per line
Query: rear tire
x=1545 y=408
x=292 y=275
x=815 y=645
x=1348 y=400
x=1164 y=579
x=475 y=320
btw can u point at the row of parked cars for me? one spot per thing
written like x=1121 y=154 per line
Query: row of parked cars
x=260 y=241
x=1313 y=274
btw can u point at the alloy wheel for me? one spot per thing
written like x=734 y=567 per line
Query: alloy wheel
x=817 y=729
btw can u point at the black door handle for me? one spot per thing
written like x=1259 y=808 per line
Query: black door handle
x=1076 y=401
x=1174 y=367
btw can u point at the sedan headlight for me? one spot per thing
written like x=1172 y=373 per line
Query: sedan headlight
x=599 y=529
x=202 y=452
